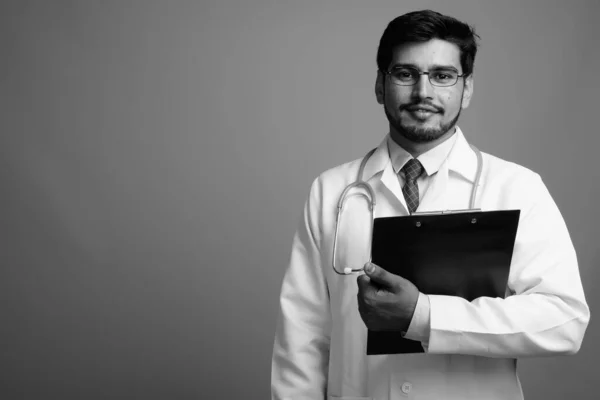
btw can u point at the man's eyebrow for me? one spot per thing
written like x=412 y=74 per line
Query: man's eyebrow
x=433 y=67
x=400 y=65
x=438 y=66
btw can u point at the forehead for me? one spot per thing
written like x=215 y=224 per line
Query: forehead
x=424 y=55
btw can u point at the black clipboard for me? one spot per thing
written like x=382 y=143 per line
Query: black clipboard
x=466 y=254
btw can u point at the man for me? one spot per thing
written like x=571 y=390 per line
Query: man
x=424 y=80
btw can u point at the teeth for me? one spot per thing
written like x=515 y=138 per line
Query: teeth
x=422 y=113
x=421 y=110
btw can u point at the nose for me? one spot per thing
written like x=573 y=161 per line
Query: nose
x=423 y=88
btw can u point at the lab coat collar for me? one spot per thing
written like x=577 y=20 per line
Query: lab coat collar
x=461 y=160
x=378 y=161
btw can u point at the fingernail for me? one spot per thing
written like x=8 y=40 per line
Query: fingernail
x=370 y=268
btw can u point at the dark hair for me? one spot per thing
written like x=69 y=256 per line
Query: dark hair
x=422 y=26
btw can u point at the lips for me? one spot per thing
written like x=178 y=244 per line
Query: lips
x=422 y=108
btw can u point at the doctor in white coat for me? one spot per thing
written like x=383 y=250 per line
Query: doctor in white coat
x=425 y=62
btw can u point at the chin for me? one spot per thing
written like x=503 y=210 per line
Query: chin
x=422 y=126
x=421 y=133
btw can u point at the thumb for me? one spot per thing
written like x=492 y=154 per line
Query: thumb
x=381 y=276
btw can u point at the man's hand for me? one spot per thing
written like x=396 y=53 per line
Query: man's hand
x=386 y=302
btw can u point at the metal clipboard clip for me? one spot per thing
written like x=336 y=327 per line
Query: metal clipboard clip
x=468 y=210
x=445 y=212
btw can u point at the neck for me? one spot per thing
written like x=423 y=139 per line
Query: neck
x=415 y=148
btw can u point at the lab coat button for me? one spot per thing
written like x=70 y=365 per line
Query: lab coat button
x=406 y=387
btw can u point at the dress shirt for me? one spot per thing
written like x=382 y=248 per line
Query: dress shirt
x=431 y=160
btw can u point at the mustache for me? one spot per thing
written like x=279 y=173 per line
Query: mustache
x=423 y=105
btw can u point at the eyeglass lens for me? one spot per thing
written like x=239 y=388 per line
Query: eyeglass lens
x=410 y=76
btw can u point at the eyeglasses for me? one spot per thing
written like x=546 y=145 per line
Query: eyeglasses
x=408 y=76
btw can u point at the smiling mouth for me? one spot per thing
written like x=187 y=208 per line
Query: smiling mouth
x=421 y=113
x=422 y=109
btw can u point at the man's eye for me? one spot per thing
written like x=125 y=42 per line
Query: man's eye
x=442 y=75
x=403 y=74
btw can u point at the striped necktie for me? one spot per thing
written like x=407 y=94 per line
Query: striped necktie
x=412 y=170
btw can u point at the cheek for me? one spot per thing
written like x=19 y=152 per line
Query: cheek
x=395 y=98
x=451 y=102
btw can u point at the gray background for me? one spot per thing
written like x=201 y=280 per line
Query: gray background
x=155 y=157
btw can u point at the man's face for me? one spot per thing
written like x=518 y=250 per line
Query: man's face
x=422 y=112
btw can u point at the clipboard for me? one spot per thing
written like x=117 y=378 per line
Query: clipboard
x=466 y=253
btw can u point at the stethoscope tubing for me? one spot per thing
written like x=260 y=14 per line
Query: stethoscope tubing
x=371 y=200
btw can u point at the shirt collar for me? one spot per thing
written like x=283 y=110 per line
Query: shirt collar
x=431 y=160
x=459 y=155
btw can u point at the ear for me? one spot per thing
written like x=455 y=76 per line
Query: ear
x=379 y=82
x=468 y=92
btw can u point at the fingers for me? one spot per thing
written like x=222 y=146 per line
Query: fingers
x=364 y=284
x=380 y=276
x=363 y=296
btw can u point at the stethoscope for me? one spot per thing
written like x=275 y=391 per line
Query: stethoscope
x=369 y=196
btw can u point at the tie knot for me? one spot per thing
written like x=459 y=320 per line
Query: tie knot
x=412 y=169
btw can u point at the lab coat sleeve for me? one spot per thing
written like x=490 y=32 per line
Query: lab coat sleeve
x=301 y=350
x=545 y=313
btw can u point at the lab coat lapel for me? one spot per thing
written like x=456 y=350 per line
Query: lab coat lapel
x=392 y=183
x=378 y=161
x=380 y=166
x=462 y=160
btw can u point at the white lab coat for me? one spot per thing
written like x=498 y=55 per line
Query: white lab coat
x=320 y=343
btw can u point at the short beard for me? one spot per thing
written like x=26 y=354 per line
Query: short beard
x=420 y=135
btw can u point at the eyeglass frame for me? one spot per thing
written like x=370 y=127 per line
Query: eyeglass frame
x=389 y=73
